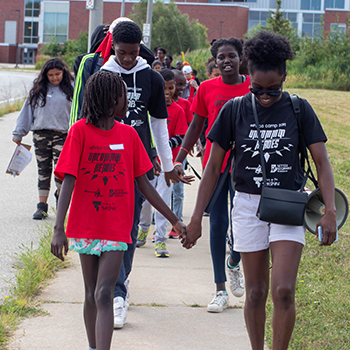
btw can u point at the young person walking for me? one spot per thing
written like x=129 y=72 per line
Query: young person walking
x=100 y=161
x=145 y=92
x=211 y=97
x=177 y=127
x=267 y=54
x=46 y=112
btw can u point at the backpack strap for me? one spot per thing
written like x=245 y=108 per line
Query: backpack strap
x=295 y=99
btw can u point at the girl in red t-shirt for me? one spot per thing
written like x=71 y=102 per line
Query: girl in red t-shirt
x=211 y=96
x=100 y=161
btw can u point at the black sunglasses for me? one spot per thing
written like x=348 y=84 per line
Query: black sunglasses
x=260 y=92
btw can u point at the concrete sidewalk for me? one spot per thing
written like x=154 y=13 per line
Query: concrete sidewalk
x=168 y=303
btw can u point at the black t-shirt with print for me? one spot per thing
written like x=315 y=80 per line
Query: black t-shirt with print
x=149 y=97
x=279 y=129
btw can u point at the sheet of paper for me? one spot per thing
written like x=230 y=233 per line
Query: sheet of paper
x=21 y=158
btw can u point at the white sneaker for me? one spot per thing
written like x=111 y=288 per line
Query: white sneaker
x=219 y=302
x=236 y=281
x=120 y=308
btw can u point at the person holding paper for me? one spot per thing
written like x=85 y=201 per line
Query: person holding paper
x=46 y=112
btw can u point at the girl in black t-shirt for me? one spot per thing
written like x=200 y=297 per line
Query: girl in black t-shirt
x=267 y=54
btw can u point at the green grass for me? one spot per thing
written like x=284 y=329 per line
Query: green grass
x=11 y=107
x=323 y=284
x=34 y=267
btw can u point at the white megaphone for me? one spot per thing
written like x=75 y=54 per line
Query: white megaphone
x=315 y=209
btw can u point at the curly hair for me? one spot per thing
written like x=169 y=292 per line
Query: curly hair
x=236 y=43
x=102 y=91
x=40 y=85
x=127 y=32
x=210 y=65
x=167 y=74
x=267 y=51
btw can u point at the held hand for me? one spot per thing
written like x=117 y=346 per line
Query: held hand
x=180 y=229
x=176 y=175
x=16 y=141
x=156 y=166
x=59 y=241
x=329 y=228
x=193 y=233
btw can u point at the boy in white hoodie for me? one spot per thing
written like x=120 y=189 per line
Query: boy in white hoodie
x=146 y=95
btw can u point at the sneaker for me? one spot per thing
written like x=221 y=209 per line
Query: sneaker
x=120 y=310
x=41 y=212
x=173 y=234
x=219 y=302
x=236 y=280
x=142 y=238
x=154 y=237
x=160 y=250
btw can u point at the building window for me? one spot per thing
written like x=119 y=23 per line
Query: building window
x=256 y=17
x=238 y=0
x=31 y=8
x=56 y=16
x=338 y=26
x=334 y=4
x=314 y=5
x=311 y=24
x=292 y=16
x=31 y=33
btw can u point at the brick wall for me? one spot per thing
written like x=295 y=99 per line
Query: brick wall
x=234 y=18
x=334 y=17
x=8 y=15
x=8 y=53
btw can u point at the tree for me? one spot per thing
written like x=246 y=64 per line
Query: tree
x=278 y=24
x=171 y=29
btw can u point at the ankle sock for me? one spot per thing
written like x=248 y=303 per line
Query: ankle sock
x=230 y=266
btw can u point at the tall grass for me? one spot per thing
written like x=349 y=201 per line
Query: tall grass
x=323 y=285
x=34 y=266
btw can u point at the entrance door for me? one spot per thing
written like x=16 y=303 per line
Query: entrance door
x=28 y=56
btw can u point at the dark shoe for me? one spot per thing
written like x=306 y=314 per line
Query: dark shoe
x=41 y=212
x=56 y=196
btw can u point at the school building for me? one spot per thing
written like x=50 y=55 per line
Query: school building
x=25 y=24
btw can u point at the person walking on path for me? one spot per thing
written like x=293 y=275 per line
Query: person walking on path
x=177 y=128
x=211 y=97
x=46 y=112
x=146 y=97
x=282 y=134
x=100 y=161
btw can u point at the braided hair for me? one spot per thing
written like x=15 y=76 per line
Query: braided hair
x=102 y=92
x=41 y=84
x=267 y=51
x=236 y=43
x=167 y=74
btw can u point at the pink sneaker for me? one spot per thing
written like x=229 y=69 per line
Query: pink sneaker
x=173 y=234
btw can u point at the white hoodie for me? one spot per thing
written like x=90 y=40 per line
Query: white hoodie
x=158 y=126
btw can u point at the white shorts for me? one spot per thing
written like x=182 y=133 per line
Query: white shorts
x=250 y=233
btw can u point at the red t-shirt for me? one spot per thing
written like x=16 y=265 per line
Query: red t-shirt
x=177 y=124
x=104 y=164
x=211 y=96
x=186 y=106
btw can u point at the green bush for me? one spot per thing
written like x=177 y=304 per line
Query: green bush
x=67 y=52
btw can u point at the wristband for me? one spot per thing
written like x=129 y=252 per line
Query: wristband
x=177 y=163
x=184 y=149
